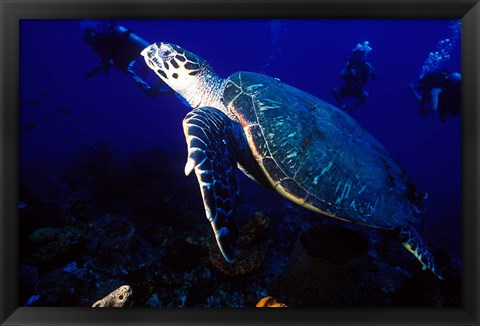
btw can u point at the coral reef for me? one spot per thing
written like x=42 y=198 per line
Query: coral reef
x=117 y=298
x=57 y=288
x=247 y=260
x=42 y=236
x=328 y=268
x=77 y=245
x=114 y=233
x=255 y=229
x=110 y=242
x=58 y=248
x=184 y=255
x=252 y=248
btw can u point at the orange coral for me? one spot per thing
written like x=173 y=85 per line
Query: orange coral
x=270 y=302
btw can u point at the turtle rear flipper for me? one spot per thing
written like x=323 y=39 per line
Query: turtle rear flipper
x=412 y=241
x=210 y=137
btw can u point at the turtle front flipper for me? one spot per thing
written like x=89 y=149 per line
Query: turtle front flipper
x=412 y=241
x=210 y=136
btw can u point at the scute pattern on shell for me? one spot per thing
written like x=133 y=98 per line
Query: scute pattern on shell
x=318 y=156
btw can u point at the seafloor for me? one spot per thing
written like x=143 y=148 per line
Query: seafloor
x=110 y=221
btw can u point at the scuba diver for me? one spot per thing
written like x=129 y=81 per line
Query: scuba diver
x=356 y=73
x=438 y=92
x=119 y=47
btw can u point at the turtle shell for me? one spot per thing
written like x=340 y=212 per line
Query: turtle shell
x=318 y=156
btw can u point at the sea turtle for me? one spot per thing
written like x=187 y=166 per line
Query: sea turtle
x=305 y=149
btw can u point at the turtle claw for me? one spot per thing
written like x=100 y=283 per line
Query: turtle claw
x=189 y=166
x=226 y=244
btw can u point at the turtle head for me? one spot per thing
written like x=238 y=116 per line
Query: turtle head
x=177 y=67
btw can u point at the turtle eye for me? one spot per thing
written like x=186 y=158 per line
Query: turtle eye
x=166 y=53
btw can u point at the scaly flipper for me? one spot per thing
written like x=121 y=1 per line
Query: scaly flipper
x=414 y=243
x=212 y=152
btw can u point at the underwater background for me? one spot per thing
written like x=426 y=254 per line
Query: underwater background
x=104 y=201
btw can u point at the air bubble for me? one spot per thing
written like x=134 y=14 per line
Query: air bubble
x=443 y=50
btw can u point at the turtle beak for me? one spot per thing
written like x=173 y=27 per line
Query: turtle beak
x=150 y=54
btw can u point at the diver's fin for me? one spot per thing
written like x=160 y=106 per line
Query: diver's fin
x=414 y=243
x=210 y=136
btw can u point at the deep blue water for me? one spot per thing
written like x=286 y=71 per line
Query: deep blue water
x=63 y=112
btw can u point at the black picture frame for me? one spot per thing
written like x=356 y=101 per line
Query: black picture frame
x=12 y=11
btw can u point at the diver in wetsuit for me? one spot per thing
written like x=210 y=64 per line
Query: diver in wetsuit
x=356 y=73
x=119 y=47
x=439 y=92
